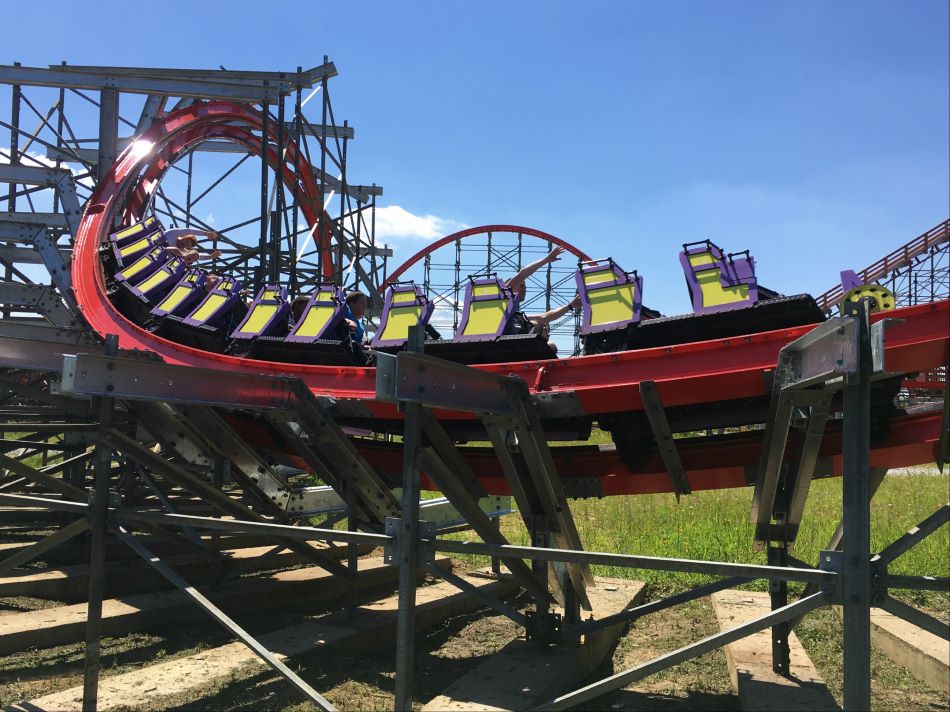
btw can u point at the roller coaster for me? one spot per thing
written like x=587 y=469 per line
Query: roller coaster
x=708 y=366
x=257 y=372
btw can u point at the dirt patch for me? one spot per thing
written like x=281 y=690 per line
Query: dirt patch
x=447 y=652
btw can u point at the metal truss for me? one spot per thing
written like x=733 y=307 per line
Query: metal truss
x=179 y=409
x=195 y=444
x=50 y=165
x=445 y=266
x=915 y=272
x=845 y=355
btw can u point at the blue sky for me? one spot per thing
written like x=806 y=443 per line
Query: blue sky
x=813 y=133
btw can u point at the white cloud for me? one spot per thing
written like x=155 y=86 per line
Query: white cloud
x=28 y=159
x=395 y=222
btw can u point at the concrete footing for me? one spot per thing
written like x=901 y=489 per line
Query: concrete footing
x=750 y=661
x=523 y=675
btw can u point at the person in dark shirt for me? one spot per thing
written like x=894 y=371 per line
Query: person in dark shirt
x=356 y=303
x=296 y=310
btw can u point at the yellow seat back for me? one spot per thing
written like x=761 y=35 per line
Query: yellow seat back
x=208 y=307
x=400 y=319
x=174 y=298
x=488 y=310
x=710 y=282
x=318 y=316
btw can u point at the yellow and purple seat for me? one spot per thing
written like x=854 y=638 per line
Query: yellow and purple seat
x=266 y=314
x=142 y=267
x=133 y=241
x=135 y=231
x=183 y=296
x=405 y=305
x=160 y=281
x=486 y=311
x=718 y=282
x=611 y=299
x=217 y=304
x=321 y=316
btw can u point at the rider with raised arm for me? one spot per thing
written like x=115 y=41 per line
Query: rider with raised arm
x=522 y=323
x=186 y=247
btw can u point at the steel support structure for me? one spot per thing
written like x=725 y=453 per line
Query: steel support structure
x=193 y=437
x=42 y=214
x=181 y=410
x=845 y=354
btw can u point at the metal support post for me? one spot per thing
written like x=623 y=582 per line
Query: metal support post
x=219 y=465
x=856 y=518
x=656 y=416
x=572 y=606
x=14 y=160
x=262 y=242
x=540 y=622
x=407 y=544
x=352 y=549
x=495 y=561
x=322 y=268
x=108 y=131
x=90 y=691
x=778 y=592
x=278 y=214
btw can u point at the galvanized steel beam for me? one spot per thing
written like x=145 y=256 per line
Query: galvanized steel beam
x=195 y=88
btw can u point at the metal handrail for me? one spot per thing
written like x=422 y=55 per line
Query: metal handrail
x=895 y=260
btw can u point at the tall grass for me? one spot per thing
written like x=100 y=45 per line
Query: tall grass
x=714 y=526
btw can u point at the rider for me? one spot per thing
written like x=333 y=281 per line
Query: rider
x=186 y=247
x=522 y=323
x=355 y=309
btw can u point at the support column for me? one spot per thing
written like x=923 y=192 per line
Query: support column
x=542 y=609
x=262 y=247
x=352 y=548
x=14 y=160
x=856 y=518
x=100 y=513
x=778 y=591
x=408 y=541
x=108 y=131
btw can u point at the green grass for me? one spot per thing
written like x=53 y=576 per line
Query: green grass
x=714 y=525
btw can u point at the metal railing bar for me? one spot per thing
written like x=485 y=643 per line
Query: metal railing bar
x=631 y=614
x=915 y=617
x=219 y=615
x=913 y=537
x=284 y=531
x=919 y=583
x=694 y=650
x=634 y=561
x=476 y=592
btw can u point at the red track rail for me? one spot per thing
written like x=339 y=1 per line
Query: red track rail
x=710 y=463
